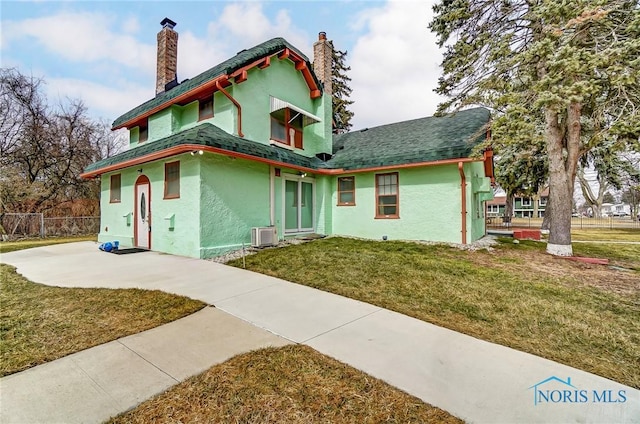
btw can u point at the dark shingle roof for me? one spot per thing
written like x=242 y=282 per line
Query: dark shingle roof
x=209 y=135
x=418 y=140
x=241 y=59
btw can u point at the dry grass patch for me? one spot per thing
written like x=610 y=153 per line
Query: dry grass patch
x=11 y=246
x=292 y=384
x=515 y=295
x=630 y=234
x=39 y=323
x=532 y=259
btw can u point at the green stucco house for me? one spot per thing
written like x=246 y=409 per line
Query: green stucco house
x=243 y=153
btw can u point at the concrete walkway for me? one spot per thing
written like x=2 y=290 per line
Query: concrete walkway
x=472 y=379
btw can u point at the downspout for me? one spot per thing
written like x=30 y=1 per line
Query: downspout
x=463 y=187
x=223 y=91
x=272 y=196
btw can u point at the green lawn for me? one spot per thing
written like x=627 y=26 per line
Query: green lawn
x=581 y=315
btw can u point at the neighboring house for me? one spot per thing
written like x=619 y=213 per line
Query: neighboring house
x=530 y=207
x=523 y=207
x=496 y=207
x=245 y=149
x=617 y=210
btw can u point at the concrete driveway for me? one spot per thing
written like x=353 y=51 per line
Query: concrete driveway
x=472 y=379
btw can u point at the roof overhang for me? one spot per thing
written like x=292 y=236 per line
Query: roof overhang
x=188 y=148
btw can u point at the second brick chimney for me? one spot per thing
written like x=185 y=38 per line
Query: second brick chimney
x=322 y=58
x=167 y=65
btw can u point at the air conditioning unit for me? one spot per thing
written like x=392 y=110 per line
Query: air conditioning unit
x=264 y=236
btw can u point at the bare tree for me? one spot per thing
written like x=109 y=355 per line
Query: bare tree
x=44 y=148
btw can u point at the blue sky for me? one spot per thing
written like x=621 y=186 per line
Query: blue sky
x=104 y=52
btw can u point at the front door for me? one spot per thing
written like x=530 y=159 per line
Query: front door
x=142 y=227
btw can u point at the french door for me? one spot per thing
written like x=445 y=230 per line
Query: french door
x=298 y=208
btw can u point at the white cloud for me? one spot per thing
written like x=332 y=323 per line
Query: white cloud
x=131 y=25
x=239 y=26
x=394 y=65
x=83 y=37
x=243 y=25
x=108 y=102
x=196 y=55
x=99 y=40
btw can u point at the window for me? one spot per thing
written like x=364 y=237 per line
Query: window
x=346 y=191
x=172 y=180
x=542 y=201
x=387 y=195
x=286 y=127
x=205 y=109
x=526 y=201
x=114 y=189
x=143 y=133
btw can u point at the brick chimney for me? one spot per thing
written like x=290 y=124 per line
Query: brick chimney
x=322 y=57
x=167 y=67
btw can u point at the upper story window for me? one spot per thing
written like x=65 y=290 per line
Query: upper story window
x=542 y=201
x=172 y=180
x=387 y=196
x=346 y=191
x=526 y=201
x=288 y=122
x=115 y=189
x=143 y=133
x=287 y=127
x=205 y=109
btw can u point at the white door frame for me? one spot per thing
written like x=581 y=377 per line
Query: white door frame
x=298 y=179
x=142 y=185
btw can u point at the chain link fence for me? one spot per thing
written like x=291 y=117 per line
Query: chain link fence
x=29 y=225
x=610 y=223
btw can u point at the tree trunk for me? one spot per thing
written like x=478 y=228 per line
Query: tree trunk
x=561 y=176
x=536 y=200
x=546 y=221
x=590 y=198
x=508 y=209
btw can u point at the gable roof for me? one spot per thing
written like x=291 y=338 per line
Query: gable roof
x=419 y=140
x=498 y=200
x=241 y=59
x=205 y=135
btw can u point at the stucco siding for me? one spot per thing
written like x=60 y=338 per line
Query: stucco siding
x=282 y=81
x=162 y=123
x=116 y=219
x=184 y=237
x=324 y=209
x=430 y=204
x=480 y=190
x=179 y=235
x=234 y=197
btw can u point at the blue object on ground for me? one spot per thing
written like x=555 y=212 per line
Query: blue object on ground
x=106 y=247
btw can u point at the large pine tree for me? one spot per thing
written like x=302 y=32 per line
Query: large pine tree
x=341 y=92
x=561 y=64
